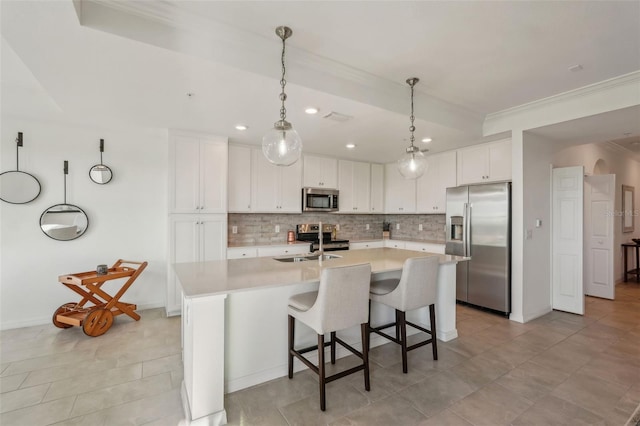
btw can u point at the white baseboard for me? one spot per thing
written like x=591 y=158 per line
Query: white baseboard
x=32 y=322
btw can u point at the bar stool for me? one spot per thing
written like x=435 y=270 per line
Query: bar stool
x=340 y=302
x=415 y=289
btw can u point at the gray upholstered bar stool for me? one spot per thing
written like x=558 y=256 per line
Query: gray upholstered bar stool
x=415 y=289
x=342 y=301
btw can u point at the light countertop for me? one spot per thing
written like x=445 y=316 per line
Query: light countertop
x=200 y=279
x=278 y=243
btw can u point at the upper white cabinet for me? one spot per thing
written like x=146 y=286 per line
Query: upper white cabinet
x=489 y=162
x=197 y=173
x=239 y=178
x=399 y=193
x=320 y=172
x=354 y=183
x=275 y=189
x=377 y=188
x=431 y=196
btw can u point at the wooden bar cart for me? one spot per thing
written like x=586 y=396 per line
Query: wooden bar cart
x=96 y=319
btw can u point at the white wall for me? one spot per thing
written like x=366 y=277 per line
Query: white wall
x=127 y=217
x=627 y=172
x=538 y=152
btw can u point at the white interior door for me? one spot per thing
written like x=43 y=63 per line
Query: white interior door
x=599 y=195
x=567 y=237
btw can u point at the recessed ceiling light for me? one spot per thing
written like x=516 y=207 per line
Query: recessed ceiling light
x=311 y=110
x=241 y=127
x=426 y=140
x=350 y=145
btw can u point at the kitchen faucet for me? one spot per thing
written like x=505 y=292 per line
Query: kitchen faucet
x=320 y=238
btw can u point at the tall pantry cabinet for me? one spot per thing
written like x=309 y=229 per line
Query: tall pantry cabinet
x=197 y=204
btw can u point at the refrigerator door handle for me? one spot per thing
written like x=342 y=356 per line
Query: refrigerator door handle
x=467 y=230
x=465 y=217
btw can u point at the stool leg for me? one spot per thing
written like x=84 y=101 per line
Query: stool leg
x=402 y=319
x=398 y=325
x=321 y=373
x=292 y=324
x=365 y=354
x=369 y=328
x=333 y=347
x=434 y=338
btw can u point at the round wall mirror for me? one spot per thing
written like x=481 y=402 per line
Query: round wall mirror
x=100 y=174
x=64 y=222
x=18 y=187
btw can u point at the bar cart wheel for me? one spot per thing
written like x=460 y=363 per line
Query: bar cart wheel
x=61 y=310
x=97 y=322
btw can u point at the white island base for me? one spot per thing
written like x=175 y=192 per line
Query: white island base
x=234 y=329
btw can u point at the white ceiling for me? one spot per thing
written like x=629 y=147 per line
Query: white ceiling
x=134 y=63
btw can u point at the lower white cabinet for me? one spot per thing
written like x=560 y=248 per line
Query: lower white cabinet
x=241 y=252
x=366 y=245
x=272 y=251
x=424 y=247
x=193 y=238
x=394 y=244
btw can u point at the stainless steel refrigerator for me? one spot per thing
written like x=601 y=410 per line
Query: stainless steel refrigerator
x=479 y=226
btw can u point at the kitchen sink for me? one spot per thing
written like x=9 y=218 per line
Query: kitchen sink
x=305 y=258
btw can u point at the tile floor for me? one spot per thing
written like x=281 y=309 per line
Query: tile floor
x=558 y=369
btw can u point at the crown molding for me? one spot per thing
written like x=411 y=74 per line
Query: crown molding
x=614 y=147
x=601 y=86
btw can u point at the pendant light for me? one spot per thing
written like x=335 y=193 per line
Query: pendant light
x=282 y=145
x=413 y=163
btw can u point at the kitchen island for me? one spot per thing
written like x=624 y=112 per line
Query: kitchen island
x=234 y=319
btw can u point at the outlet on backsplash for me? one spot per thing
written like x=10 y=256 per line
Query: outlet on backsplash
x=397 y=226
x=234 y=229
x=366 y=227
x=277 y=228
x=420 y=227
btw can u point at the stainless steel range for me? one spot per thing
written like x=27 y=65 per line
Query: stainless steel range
x=310 y=232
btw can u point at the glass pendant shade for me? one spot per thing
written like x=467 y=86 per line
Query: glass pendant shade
x=282 y=145
x=413 y=163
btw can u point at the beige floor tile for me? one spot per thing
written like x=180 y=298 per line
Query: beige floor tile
x=595 y=395
x=532 y=381
x=445 y=418
x=341 y=399
x=41 y=414
x=422 y=359
x=389 y=411
x=511 y=353
x=55 y=360
x=67 y=371
x=89 y=383
x=162 y=365
x=555 y=411
x=563 y=357
x=623 y=371
x=437 y=392
x=492 y=405
x=22 y=398
x=11 y=383
x=539 y=339
x=116 y=395
x=470 y=346
x=479 y=371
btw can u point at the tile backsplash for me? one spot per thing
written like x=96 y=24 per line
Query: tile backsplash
x=254 y=228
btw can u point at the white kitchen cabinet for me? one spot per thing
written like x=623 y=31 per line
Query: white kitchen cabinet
x=275 y=189
x=431 y=190
x=489 y=162
x=377 y=188
x=354 y=183
x=366 y=245
x=193 y=238
x=394 y=244
x=320 y=172
x=241 y=252
x=399 y=193
x=424 y=247
x=197 y=173
x=284 y=250
x=239 y=179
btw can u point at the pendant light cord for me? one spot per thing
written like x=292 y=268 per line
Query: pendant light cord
x=283 y=82
x=412 y=128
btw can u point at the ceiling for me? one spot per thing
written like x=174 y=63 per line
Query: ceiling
x=134 y=63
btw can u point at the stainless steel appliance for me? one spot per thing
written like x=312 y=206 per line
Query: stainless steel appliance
x=310 y=232
x=478 y=225
x=319 y=200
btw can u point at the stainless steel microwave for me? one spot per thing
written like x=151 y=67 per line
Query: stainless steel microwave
x=319 y=200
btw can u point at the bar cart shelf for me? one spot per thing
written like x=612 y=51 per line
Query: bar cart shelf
x=97 y=318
